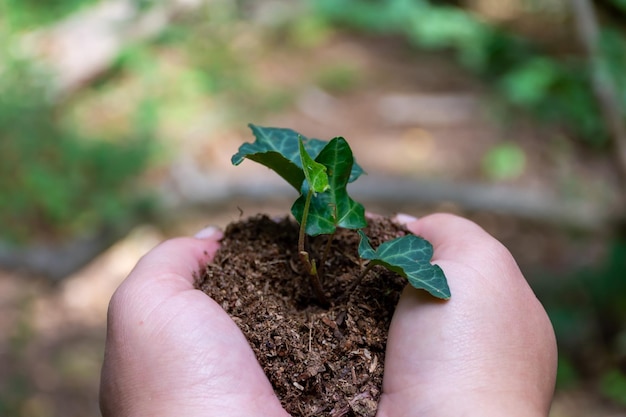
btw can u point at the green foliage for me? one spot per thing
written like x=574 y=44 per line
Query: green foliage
x=339 y=78
x=54 y=182
x=424 y=25
x=556 y=90
x=566 y=374
x=222 y=54
x=556 y=93
x=588 y=312
x=321 y=171
x=505 y=161
x=314 y=172
x=604 y=289
x=613 y=385
x=308 y=31
x=19 y=15
x=613 y=46
x=621 y=4
x=410 y=257
x=606 y=286
x=332 y=208
x=28 y=14
x=278 y=149
x=17 y=390
x=530 y=82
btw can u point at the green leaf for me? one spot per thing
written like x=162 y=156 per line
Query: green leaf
x=334 y=207
x=315 y=173
x=278 y=149
x=410 y=257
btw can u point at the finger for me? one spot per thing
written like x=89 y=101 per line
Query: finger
x=210 y=232
x=404 y=219
x=171 y=267
x=461 y=240
x=481 y=272
x=442 y=227
x=478 y=268
x=373 y=216
x=181 y=257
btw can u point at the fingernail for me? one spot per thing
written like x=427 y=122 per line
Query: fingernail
x=402 y=218
x=210 y=232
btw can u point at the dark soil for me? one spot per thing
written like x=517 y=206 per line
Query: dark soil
x=320 y=361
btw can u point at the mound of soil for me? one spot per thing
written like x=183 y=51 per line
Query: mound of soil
x=320 y=361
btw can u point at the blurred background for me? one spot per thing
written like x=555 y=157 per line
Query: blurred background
x=118 y=120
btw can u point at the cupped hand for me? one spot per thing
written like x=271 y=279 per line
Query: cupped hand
x=488 y=351
x=173 y=351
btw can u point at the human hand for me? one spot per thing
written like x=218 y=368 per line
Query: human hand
x=173 y=351
x=488 y=351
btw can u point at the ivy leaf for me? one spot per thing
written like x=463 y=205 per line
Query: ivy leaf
x=314 y=172
x=334 y=207
x=410 y=257
x=278 y=149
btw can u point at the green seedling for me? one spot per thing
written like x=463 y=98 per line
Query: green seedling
x=320 y=171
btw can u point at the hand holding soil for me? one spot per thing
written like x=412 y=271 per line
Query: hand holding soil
x=172 y=351
x=490 y=350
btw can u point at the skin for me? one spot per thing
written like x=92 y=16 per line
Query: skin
x=488 y=351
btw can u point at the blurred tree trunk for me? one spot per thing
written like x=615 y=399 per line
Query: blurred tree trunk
x=604 y=85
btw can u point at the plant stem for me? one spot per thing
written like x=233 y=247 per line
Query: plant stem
x=305 y=217
x=304 y=255
x=325 y=255
x=314 y=278
x=357 y=281
x=362 y=275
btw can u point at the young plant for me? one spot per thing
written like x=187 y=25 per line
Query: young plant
x=320 y=171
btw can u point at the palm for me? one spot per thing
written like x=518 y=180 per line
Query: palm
x=187 y=354
x=492 y=337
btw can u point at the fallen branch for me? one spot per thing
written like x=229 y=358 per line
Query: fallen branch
x=57 y=261
x=392 y=193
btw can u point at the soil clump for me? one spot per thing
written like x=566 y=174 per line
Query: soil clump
x=320 y=361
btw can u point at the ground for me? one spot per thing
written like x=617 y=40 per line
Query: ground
x=52 y=336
